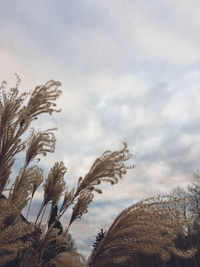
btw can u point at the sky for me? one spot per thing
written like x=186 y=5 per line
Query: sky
x=130 y=71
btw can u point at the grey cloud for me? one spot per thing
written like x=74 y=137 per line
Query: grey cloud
x=101 y=40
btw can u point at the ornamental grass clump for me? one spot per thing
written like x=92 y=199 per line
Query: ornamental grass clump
x=150 y=226
x=15 y=120
x=20 y=238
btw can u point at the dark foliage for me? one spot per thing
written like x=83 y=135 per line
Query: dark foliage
x=99 y=238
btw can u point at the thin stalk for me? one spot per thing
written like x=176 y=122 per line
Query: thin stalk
x=41 y=208
x=42 y=215
x=42 y=244
x=50 y=228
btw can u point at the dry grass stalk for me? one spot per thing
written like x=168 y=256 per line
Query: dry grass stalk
x=13 y=231
x=108 y=168
x=40 y=143
x=24 y=187
x=68 y=200
x=81 y=206
x=37 y=180
x=54 y=185
x=15 y=119
x=10 y=144
x=43 y=98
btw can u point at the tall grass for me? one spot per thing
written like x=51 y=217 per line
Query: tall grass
x=150 y=226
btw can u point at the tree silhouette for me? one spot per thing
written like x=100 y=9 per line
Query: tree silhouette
x=99 y=238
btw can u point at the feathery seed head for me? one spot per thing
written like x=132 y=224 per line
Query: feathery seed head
x=42 y=99
x=55 y=185
x=81 y=206
x=40 y=142
x=108 y=168
x=68 y=199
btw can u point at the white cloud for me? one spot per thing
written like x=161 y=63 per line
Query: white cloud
x=160 y=32
x=112 y=85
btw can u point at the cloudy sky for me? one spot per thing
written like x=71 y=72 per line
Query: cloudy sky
x=130 y=71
